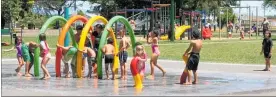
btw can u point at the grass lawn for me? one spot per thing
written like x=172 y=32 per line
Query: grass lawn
x=226 y=51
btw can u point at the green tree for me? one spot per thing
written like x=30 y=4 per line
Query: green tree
x=55 y=5
x=10 y=11
x=80 y=13
x=270 y=3
x=15 y=11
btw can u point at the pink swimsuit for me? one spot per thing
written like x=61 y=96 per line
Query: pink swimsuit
x=141 y=67
x=154 y=48
x=44 y=52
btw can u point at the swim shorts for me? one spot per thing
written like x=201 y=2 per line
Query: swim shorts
x=123 y=56
x=193 y=61
x=266 y=55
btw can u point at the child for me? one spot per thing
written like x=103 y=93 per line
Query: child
x=109 y=51
x=155 y=52
x=18 y=44
x=45 y=54
x=242 y=33
x=230 y=29
x=91 y=58
x=267 y=50
x=67 y=54
x=27 y=54
x=142 y=57
x=193 y=60
x=124 y=45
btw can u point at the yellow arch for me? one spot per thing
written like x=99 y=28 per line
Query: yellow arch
x=83 y=38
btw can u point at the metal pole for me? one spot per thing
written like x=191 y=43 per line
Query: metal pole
x=147 y=21
x=239 y=15
x=249 y=21
x=257 y=24
x=264 y=11
x=133 y=13
x=219 y=23
x=227 y=22
x=172 y=20
x=125 y=12
x=116 y=24
x=165 y=17
x=144 y=28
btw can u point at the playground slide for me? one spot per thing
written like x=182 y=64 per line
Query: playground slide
x=178 y=32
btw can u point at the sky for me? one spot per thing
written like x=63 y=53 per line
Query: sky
x=269 y=11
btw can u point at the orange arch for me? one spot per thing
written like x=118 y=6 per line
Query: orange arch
x=61 y=38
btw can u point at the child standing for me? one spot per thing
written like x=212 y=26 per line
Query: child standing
x=45 y=54
x=267 y=50
x=142 y=57
x=109 y=51
x=195 y=45
x=153 y=40
x=18 y=44
x=242 y=33
x=124 y=45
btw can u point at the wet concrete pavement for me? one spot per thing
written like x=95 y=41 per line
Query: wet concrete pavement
x=214 y=79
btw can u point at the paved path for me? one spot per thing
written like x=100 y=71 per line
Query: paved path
x=214 y=79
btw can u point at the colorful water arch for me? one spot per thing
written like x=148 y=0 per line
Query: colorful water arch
x=82 y=41
x=104 y=37
x=43 y=30
x=61 y=38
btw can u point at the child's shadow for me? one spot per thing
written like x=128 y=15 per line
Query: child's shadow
x=260 y=70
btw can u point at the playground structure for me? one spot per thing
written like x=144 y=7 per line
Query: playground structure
x=157 y=16
x=88 y=26
x=178 y=32
x=246 y=23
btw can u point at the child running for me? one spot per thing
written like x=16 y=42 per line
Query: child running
x=142 y=57
x=267 y=50
x=124 y=45
x=91 y=58
x=193 y=60
x=45 y=54
x=109 y=51
x=18 y=45
x=153 y=40
x=27 y=54
x=67 y=54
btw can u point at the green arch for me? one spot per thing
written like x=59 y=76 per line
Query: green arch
x=104 y=36
x=43 y=30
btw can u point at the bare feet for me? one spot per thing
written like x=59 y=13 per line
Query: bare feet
x=150 y=77
x=28 y=75
x=195 y=82
x=164 y=73
x=67 y=76
x=47 y=77
x=187 y=83
x=19 y=74
x=16 y=70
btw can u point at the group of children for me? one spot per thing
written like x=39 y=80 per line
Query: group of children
x=26 y=50
x=25 y=54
